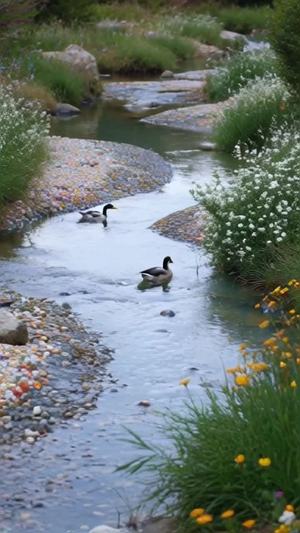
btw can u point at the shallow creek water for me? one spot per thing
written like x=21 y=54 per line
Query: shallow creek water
x=66 y=482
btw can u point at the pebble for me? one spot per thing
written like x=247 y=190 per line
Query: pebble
x=30 y=440
x=167 y=312
x=37 y=410
x=144 y=403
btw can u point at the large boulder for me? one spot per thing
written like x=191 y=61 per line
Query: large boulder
x=12 y=330
x=78 y=58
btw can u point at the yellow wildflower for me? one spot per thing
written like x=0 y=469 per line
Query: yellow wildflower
x=243 y=346
x=293 y=384
x=227 y=514
x=276 y=291
x=184 y=382
x=258 y=367
x=289 y=508
x=204 y=519
x=264 y=462
x=272 y=304
x=269 y=343
x=298 y=360
x=257 y=306
x=195 y=513
x=285 y=340
x=282 y=364
x=292 y=282
x=233 y=370
x=240 y=459
x=292 y=311
x=264 y=324
x=284 y=290
x=248 y=524
x=283 y=528
x=242 y=380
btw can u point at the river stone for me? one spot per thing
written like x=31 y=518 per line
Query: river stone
x=232 y=36
x=12 y=330
x=107 y=529
x=167 y=312
x=167 y=74
x=159 y=525
x=78 y=58
x=63 y=108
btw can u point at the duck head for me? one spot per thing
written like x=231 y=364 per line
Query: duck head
x=166 y=262
x=106 y=207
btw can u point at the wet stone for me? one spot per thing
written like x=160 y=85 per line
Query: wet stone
x=167 y=312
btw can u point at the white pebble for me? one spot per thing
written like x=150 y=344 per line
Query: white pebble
x=30 y=440
x=37 y=410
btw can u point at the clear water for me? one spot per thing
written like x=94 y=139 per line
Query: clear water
x=71 y=472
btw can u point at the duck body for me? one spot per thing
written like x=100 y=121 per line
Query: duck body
x=158 y=275
x=95 y=217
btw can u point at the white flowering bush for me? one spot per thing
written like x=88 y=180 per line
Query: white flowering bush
x=23 y=129
x=236 y=72
x=263 y=102
x=253 y=217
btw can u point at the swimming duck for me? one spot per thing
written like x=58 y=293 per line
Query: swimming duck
x=158 y=275
x=95 y=216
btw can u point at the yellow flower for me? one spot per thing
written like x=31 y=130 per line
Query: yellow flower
x=270 y=342
x=195 y=513
x=204 y=519
x=290 y=508
x=258 y=367
x=184 y=382
x=282 y=529
x=233 y=370
x=276 y=291
x=242 y=380
x=284 y=290
x=227 y=514
x=282 y=364
x=288 y=355
x=257 y=306
x=272 y=304
x=292 y=282
x=285 y=340
x=298 y=360
x=248 y=524
x=264 y=324
x=243 y=346
x=264 y=462
x=240 y=459
x=293 y=384
x=292 y=311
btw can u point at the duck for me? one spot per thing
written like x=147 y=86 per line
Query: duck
x=158 y=275
x=93 y=216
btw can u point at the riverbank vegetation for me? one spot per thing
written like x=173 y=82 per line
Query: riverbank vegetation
x=233 y=461
x=22 y=143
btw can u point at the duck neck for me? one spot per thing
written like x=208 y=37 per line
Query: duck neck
x=104 y=212
x=166 y=264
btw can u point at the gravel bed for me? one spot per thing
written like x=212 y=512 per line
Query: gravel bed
x=52 y=377
x=83 y=173
x=185 y=225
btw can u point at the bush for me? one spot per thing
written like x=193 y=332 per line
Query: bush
x=259 y=105
x=13 y=14
x=237 y=71
x=22 y=144
x=250 y=221
x=182 y=48
x=286 y=40
x=66 y=84
x=246 y=19
x=68 y=11
x=203 y=28
x=238 y=453
x=35 y=93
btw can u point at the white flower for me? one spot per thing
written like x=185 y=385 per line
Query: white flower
x=287 y=518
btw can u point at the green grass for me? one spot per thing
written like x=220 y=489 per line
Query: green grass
x=258 y=420
x=236 y=72
x=64 y=82
x=23 y=148
x=246 y=19
x=203 y=28
x=182 y=48
x=125 y=11
x=255 y=109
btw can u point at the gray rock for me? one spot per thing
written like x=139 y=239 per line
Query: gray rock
x=78 y=58
x=167 y=312
x=12 y=330
x=107 y=529
x=200 y=75
x=207 y=146
x=63 y=108
x=116 y=25
x=232 y=36
x=37 y=410
x=167 y=74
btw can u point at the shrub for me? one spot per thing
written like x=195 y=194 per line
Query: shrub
x=260 y=104
x=65 y=83
x=68 y=11
x=246 y=19
x=237 y=71
x=286 y=40
x=182 y=48
x=36 y=93
x=238 y=451
x=22 y=144
x=250 y=220
x=14 y=14
x=124 y=11
x=203 y=28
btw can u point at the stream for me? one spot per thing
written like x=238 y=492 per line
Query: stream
x=66 y=483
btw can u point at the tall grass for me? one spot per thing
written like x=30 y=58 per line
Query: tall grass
x=239 y=450
x=236 y=72
x=22 y=144
x=246 y=19
x=64 y=82
x=259 y=105
x=203 y=28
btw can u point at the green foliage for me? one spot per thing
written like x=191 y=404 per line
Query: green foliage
x=68 y=11
x=182 y=48
x=203 y=28
x=236 y=72
x=22 y=142
x=286 y=40
x=246 y=19
x=257 y=418
x=251 y=222
x=116 y=11
x=66 y=84
x=13 y=14
x=247 y=121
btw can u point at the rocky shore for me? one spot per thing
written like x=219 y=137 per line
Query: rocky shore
x=185 y=225
x=84 y=173
x=50 y=378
